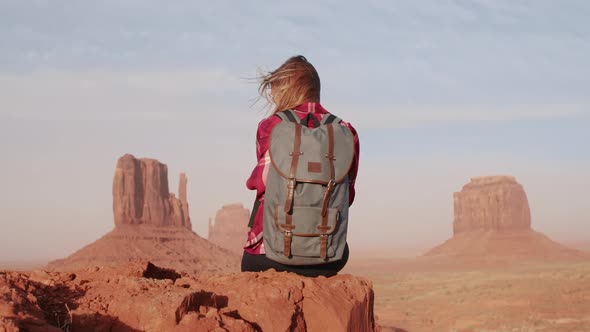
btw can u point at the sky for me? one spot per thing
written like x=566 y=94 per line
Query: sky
x=439 y=91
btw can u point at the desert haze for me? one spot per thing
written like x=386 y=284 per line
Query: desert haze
x=495 y=274
x=128 y=131
x=153 y=273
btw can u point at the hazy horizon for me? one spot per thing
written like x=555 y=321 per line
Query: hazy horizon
x=439 y=92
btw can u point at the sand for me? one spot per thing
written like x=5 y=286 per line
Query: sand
x=422 y=295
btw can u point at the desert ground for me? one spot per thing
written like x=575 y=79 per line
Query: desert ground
x=501 y=294
x=425 y=294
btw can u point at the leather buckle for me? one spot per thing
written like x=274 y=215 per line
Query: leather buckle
x=331 y=185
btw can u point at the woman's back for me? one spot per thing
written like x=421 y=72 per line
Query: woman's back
x=307 y=234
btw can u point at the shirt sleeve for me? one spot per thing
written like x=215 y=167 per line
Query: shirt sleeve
x=257 y=179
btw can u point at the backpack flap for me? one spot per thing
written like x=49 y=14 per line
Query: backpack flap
x=313 y=164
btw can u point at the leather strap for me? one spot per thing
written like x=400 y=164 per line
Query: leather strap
x=326 y=199
x=293 y=171
x=331 y=158
x=327 y=194
x=287 y=239
x=323 y=246
x=330 y=154
x=323 y=237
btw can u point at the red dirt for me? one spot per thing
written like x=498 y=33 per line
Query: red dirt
x=514 y=244
x=171 y=247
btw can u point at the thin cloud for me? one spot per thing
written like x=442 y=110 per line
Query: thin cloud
x=384 y=117
x=427 y=52
x=122 y=95
x=165 y=94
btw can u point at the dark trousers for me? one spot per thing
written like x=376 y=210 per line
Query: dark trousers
x=258 y=263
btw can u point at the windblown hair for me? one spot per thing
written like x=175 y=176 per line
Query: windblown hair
x=295 y=82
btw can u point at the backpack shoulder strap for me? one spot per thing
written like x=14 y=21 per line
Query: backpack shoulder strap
x=330 y=118
x=287 y=115
x=310 y=117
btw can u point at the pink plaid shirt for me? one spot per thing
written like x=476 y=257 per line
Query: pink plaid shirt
x=257 y=180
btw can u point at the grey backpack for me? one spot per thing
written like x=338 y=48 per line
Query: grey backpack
x=307 y=190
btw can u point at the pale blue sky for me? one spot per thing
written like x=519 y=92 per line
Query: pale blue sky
x=439 y=90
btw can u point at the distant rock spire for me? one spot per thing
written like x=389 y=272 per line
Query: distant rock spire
x=183 y=198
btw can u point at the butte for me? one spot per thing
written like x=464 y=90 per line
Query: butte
x=230 y=227
x=493 y=219
x=150 y=224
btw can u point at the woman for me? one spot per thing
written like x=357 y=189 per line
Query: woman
x=294 y=85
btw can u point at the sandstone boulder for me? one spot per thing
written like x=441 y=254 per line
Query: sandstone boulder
x=230 y=227
x=143 y=297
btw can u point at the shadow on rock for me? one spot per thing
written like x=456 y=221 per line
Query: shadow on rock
x=97 y=322
x=210 y=305
x=55 y=298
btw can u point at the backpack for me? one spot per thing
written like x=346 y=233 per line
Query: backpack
x=307 y=190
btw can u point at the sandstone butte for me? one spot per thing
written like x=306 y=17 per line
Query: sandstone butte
x=144 y=297
x=493 y=218
x=229 y=228
x=150 y=224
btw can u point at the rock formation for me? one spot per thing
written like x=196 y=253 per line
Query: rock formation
x=144 y=297
x=492 y=218
x=491 y=203
x=141 y=195
x=150 y=224
x=582 y=246
x=183 y=197
x=230 y=227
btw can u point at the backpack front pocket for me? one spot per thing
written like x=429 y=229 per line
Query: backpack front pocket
x=305 y=232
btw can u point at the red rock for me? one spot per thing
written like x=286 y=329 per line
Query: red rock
x=19 y=309
x=491 y=203
x=117 y=299
x=170 y=247
x=125 y=293
x=150 y=224
x=492 y=218
x=183 y=198
x=141 y=195
x=230 y=227
x=509 y=244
